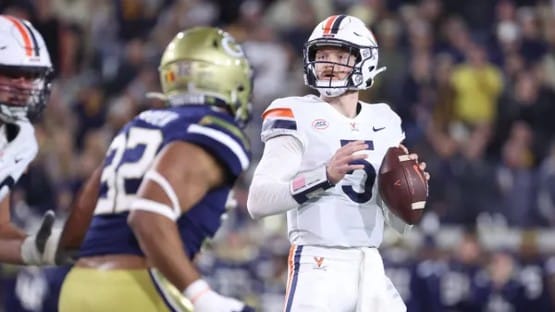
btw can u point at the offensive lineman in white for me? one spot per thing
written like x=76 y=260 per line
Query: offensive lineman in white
x=320 y=165
x=24 y=86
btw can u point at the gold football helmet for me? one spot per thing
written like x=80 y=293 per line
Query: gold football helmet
x=205 y=65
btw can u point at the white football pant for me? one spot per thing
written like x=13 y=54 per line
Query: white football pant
x=323 y=279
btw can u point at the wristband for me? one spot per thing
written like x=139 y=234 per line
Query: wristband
x=310 y=184
x=196 y=289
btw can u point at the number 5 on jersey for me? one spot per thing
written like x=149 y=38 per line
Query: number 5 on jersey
x=366 y=194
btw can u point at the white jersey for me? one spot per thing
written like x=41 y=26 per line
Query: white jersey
x=346 y=215
x=15 y=154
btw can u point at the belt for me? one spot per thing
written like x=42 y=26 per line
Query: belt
x=113 y=262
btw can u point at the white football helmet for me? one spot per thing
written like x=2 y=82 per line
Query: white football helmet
x=23 y=53
x=346 y=32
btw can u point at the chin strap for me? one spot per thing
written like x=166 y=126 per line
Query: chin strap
x=370 y=81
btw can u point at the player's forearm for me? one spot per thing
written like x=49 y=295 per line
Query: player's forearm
x=81 y=213
x=10 y=231
x=159 y=240
x=11 y=238
x=10 y=250
x=268 y=196
x=270 y=190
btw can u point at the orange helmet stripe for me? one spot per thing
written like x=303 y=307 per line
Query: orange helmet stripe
x=329 y=23
x=24 y=33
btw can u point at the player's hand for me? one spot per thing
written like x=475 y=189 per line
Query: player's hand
x=204 y=299
x=342 y=161
x=422 y=165
x=40 y=248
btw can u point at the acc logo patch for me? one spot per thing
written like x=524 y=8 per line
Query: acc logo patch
x=320 y=124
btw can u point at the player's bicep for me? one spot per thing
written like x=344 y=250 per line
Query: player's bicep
x=180 y=176
x=277 y=150
x=269 y=191
x=5 y=210
x=81 y=212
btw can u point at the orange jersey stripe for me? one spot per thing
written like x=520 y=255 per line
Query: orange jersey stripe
x=23 y=31
x=329 y=24
x=278 y=112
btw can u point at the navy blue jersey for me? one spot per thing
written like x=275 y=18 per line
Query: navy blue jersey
x=526 y=290
x=447 y=286
x=533 y=276
x=506 y=297
x=130 y=156
x=34 y=289
x=425 y=286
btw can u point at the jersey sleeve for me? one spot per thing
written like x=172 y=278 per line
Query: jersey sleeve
x=279 y=119
x=219 y=136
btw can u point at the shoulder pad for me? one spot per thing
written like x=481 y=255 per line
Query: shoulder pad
x=279 y=119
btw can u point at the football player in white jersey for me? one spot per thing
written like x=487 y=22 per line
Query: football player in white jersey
x=320 y=164
x=25 y=70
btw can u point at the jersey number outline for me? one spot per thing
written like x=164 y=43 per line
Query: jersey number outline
x=370 y=171
x=117 y=172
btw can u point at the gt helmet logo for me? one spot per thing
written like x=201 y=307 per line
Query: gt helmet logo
x=231 y=47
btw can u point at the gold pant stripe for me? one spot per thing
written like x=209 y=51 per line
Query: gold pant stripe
x=173 y=297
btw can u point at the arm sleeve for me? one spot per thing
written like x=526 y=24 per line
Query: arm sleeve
x=269 y=192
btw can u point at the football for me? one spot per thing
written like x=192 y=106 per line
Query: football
x=402 y=185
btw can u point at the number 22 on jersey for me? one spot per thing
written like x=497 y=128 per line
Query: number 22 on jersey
x=127 y=160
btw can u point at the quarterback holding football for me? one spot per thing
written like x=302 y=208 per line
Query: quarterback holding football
x=321 y=165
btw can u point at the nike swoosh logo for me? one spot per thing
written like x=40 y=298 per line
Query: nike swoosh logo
x=357 y=34
x=17 y=160
x=377 y=129
x=3 y=47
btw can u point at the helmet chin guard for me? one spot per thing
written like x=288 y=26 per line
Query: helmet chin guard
x=348 y=33
x=336 y=88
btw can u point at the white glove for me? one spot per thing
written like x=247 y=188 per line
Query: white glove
x=16 y=155
x=204 y=299
x=41 y=248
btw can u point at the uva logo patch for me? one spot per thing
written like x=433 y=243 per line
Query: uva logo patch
x=320 y=124
x=318 y=263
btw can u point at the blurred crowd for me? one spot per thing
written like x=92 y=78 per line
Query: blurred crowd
x=473 y=81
